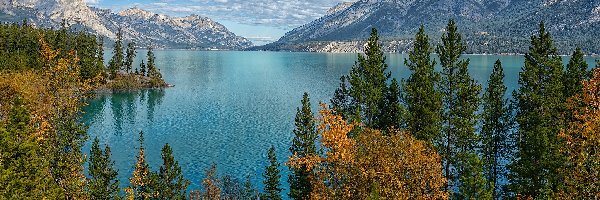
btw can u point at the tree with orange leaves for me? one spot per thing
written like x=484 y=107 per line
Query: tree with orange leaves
x=371 y=165
x=582 y=140
x=52 y=97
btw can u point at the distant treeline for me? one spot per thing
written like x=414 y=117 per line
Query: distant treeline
x=20 y=47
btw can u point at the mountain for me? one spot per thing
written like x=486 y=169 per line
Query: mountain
x=488 y=26
x=140 y=26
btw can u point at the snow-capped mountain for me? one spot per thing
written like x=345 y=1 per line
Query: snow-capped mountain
x=489 y=26
x=143 y=27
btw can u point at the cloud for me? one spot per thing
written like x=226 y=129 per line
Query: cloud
x=92 y=2
x=283 y=14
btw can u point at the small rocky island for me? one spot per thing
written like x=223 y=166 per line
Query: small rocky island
x=123 y=76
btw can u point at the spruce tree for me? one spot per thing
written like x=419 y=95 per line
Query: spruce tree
x=460 y=94
x=116 y=62
x=170 y=178
x=100 y=56
x=340 y=103
x=143 y=183
x=248 y=191
x=303 y=144
x=423 y=100
x=363 y=99
x=23 y=165
x=103 y=183
x=473 y=183
x=368 y=83
x=393 y=112
x=272 y=189
x=152 y=71
x=575 y=73
x=496 y=126
x=128 y=65
x=142 y=69
x=539 y=106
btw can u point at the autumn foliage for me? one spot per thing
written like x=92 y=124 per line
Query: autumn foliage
x=372 y=165
x=582 y=140
x=52 y=97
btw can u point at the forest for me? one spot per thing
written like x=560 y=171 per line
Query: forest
x=437 y=134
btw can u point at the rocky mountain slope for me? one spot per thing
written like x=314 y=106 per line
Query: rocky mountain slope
x=143 y=27
x=489 y=26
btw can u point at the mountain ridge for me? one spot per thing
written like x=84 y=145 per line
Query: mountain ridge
x=140 y=26
x=491 y=26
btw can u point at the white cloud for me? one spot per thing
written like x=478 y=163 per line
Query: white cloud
x=284 y=14
x=92 y=2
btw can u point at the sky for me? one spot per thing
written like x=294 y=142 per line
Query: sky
x=261 y=21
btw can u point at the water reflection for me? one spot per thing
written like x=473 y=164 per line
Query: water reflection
x=154 y=98
x=124 y=107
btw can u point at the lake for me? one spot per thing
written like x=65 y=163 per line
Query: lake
x=229 y=107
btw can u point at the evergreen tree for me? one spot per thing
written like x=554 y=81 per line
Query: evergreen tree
x=340 y=102
x=130 y=56
x=100 y=56
x=143 y=182
x=152 y=71
x=116 y=62
x=366 y=96
x=495 y=129
x=575 y=73
x=303 y=144
x=103 y=183
x=473 y=183
x=539 y=103
x=460 y=95
x=172 y=183
x=249 y=192
x=272 y=189
x=143 y=68
x=392 y=115
x=423 y=100
x=368 y=83
x=22 y=166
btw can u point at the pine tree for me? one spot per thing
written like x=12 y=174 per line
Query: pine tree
x=143 y=68
x=249 y=192
x=364 y=99
x=368 y=83
x=473 y=183
x=272 y=189
x=496 y=127
x=460 y=94
x=143 y=182
x=539 y=103
x=100 y=56
x=23 y=166
x=103 y=183
x=423 y=100
x=575 y=73
x=116 y=62
x=172 y=183
x=130 y=56
x=152 y=71
x=303 y=144
x=340 y=102
x=393 y=112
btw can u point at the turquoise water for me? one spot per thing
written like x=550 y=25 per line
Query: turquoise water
x=228 y=108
